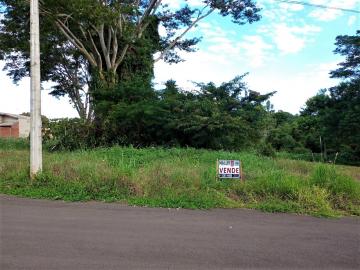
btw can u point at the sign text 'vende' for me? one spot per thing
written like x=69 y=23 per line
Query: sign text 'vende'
x=229 y=169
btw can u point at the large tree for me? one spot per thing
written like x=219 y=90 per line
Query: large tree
x=334 y=113
x=61 y=62
x=348 y=46
x=104 y=34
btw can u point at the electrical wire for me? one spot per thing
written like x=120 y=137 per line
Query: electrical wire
x=317 y=5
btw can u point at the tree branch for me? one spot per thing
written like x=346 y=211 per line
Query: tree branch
x=103 y=47
x=151 y=9
x=75 y=41
x=174 y=42
x=122 y=56
x=115 y=48
x=110 y=31
x=96 y=51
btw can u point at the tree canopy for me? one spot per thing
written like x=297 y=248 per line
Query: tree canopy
x=104 y=40
x=348 y=46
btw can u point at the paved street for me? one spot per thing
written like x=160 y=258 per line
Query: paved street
x=37 y=234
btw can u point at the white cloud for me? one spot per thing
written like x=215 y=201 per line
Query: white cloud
x=202 y=66
x=287 y=28
x=256 y=50
x=328 y=14
x=211 y=29
x=291 y=7
x=196 y=3
x=251 y=48
x=293 y=88
x=280 y=12
x=290 y=39
x=351 y=20
x=173 y=4
x=286 y=41
x=224 y=46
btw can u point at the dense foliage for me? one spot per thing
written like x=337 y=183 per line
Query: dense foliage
x=229 y=116
x=330 y=121
x=97 y=44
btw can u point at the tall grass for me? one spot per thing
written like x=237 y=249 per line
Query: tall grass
x=182 y=178
x=344 y=192
x=14 y=144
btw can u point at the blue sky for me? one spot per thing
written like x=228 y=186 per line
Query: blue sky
x=290 y=50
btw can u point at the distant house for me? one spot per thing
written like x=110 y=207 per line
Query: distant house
x=15 y=126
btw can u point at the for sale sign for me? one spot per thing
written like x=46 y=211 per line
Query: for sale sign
x=229 y=169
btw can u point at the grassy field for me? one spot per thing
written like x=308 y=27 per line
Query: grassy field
x=182 y=178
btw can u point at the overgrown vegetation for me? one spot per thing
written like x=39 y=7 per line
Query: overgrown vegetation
x=226 y=117
x=101 y=56
x=104 y=63
x=229 y=116
x=183 y=178
x=329 y=124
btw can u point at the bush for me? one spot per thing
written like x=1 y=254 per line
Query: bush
x=349 y=155
x=266 y=149
x=301 y=150
x=344 y=191
x=69 y=134
x=314 y=200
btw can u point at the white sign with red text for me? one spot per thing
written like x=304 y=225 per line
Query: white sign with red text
x=229 y=169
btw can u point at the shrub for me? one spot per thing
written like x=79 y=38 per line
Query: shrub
x=349 y=155
x=266 y=149
x=344 y=191
x=69 y=134
x=314 y=200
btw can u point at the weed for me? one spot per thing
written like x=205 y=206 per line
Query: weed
x=182 y=178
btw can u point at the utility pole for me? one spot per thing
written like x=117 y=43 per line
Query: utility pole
x=35 y=94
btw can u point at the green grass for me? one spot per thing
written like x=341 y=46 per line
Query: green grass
x=13 y=144
x=182 y=178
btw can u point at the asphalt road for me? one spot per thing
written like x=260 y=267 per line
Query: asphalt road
x=37 y=234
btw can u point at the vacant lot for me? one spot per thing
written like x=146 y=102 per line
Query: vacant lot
x=182 y=178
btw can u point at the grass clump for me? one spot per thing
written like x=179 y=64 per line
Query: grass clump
x=182 y=178
x=14 y=144
x=283 y=193
x=344 y=192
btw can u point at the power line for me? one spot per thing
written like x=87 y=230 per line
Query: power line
x=319 y=6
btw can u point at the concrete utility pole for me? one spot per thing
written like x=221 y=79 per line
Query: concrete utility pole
x=35 y=95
